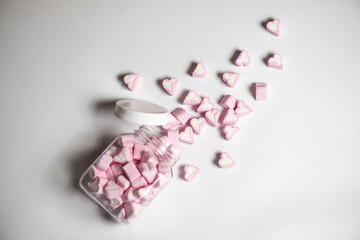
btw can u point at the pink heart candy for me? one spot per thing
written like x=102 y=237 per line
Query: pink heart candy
x=190 y=172
x=197 y=124
x=229 y=117
x=242 y=109
x=132 y=81
x=212 y=116
x=170 y=85
x=243 y=59
x=199 y=70
x=171 y=122
x=229 y=131
x=275 y=61
x=205 y=105
x=192 y=98
x=187 y=135
x=274 y=26
x=226 y=161
x=148 y=170
x=230 y=78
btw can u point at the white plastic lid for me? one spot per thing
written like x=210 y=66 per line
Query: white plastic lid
x=141 y=112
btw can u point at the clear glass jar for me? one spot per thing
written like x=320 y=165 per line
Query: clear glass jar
x=130 y=172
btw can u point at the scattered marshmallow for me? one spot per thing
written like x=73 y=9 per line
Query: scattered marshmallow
x=205 y=105
x=274 y=26
x=229 y=117
x=187 y=135
x=181 y=115
x=212 y=116
x=242 y=109
x=192 y=98
x=199 y=71
x=171 y=122
x=132 y=81
x=170 y=85
x=226 y=161
x=243 y=59
x=260 y=91
x=228 y=102
x=229 y=131
x=275 y=61
x=230 y=78
x=190 y=172
x=197 y=124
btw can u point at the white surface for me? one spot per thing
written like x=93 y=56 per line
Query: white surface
x=298 y=153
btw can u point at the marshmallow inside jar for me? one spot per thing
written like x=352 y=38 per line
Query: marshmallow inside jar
x=136 y=166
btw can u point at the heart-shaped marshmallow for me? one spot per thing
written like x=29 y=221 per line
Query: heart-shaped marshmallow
x=145 y=193
x=148 y=170
x=229 y=131
x=229 y=117
x=171 y=122
x=187 y=135
x=190 y=172
x=197 y=124
x=205 y=105
x=123 y=156
x=228 y=101
x=117 y=169
x=274 y=26
x=275 y=61
x=112 y=190
x=132 y=81
x=116 y=202
x=97 y=185
x=243 y=59
x=104 y=162
x=131 y=209
x=192 y=98
x=242 y=109
x=95 y=172
x=199 y=71
x=123 y=182
x=226 y=161
x=170 y=85
x=230 y=78
x=212 y=116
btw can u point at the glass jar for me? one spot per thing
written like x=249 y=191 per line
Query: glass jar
x=132 y=170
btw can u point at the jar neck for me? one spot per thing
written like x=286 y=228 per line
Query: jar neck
x=159 y=145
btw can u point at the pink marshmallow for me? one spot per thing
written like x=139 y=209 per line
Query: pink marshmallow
x=205 y=105
x=117 y=169
x=123 y=156
x=148 y=170
x=190 y=172
x=149 y=157
x=104 y=162
x=230 y=78
x=112 y=190
x=173 y=137
x=243 y=59
x=171 y=122
x=132 y=81
x=199 y=70
x=139 y=183
x=110 y=175
x=164 y=168
x=242 y=109
x=275 y=61
x=192 y=98
x=123 y=182
x=181 y=115
x=131 y=209
x=260 y=91
x=228 y=102
x=229 y=117
x=197 y=124
x=229 y=131
x=95 y=172
x=116 y=202
x=274 y=26
x=170 y=85
x=145 y=193
x=112 y=151
x=97 y=185
x=131 y=171
x=226 y=161
x=161 y=180
x=187 y=136
x=212 y=116
x=139 y=149
x=130 y=196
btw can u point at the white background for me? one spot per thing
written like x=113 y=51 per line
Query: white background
x=298 y=154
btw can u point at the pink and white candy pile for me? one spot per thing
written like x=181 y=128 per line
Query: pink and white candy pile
x=129 y=174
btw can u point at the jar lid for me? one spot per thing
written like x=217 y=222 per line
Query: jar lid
x=141 y=112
